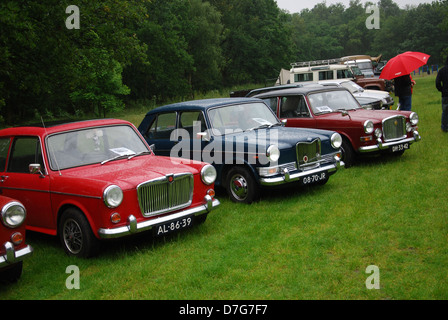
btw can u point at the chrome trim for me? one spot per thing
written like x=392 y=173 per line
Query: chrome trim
x=154 y=201
x=134 y=227
x=387 y=133
x=12 y=256
x=287 y=176
x=382 y=146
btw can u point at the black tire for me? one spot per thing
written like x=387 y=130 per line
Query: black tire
x=348 y=154
x=76 y=235
x=11 y=274
x=241 y=185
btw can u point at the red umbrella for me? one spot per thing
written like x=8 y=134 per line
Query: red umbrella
x=403 y=64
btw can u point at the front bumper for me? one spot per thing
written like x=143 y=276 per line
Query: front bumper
x=133 y=226
x=12 y=256
x=288 y=177
x=386 y=145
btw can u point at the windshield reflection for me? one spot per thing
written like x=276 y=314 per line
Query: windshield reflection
x=331 y=101
x=241 y=118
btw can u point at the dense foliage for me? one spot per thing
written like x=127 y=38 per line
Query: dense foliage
x=163 y=49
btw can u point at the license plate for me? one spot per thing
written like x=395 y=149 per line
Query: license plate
x=173 y=226
x=314 y=178
x=400 y=147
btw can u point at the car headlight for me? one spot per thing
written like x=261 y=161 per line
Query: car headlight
x=208 y=174
x=368 y=126
x=413 y=118
x=378 y=133
x=336 y=140
x=13 y=214
x=113 y=196
x=273 y=153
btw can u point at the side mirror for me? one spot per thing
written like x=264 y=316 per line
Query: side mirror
x=35 y=168
x=152 y=147
x=284 y=121
x=204 y=136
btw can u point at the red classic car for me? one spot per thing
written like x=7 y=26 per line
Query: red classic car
x=334 y=108
x=98 y=179
x=13 y=249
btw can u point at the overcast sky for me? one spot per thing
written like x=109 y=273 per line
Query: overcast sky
x=297 y=5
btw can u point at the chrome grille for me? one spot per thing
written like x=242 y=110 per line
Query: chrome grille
x=308 y=153
x=394 y=128
x=168 y=193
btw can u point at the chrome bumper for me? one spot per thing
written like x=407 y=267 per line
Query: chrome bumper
x=134 y=227
x=287 y=177
x=383 y=146
x=12 y=256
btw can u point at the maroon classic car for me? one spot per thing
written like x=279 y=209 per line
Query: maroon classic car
x=13 y=249
x=98 y=179
x=332 y=108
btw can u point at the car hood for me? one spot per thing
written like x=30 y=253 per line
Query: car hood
x=361 y=115
x=283 y=137
x=127 y=174
x=376 y=94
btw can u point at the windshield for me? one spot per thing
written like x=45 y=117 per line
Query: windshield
x=356 y=71
x=93 y=145
x=241 y=118
x=352 y=87
x=330 y=101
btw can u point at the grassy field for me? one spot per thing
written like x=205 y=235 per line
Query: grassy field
x=311 y=243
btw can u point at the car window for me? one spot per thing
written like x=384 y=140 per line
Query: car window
x=272 y=103
x=162 y=127
x=189 y=119
x=294 y=107
x=92 y=145
x=326 y=75
x=301 y=77
x=330 y=101
x=4 y=148
x=25 y=151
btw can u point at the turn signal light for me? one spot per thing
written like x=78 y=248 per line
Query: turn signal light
x=17 y=238
x=211 y=192
x=115 y=217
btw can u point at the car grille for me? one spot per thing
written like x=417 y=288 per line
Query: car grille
x=168 y=193
x=394 y=128
x=308 y=154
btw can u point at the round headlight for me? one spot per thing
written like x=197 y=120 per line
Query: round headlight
x=378 y=133
x=273 y=153
x=368 y=126
x=113 y=196
x=13 y=214
x=413 y=118
x=336 y=140
x=208 y=174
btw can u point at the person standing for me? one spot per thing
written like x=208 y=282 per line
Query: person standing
x=403 y=90
x=442 y=86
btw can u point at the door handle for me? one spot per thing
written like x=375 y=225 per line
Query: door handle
x=3 y=178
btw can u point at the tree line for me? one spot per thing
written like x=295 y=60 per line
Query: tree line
x=143 y=50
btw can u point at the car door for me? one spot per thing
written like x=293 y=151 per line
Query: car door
x=32 y=189
x=295 y=109
x=161 y=133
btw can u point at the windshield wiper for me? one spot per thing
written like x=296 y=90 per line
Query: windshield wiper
x=121 y=156
x=265 y=126
x=139 y=154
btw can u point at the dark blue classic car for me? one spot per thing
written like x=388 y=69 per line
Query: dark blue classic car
x=246 y=143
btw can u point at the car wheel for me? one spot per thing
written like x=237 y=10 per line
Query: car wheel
x=348 y=155
x=76 y=235
x=241 y=185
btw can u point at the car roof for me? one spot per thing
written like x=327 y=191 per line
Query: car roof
x=302 y=90
x=202 y=104
x=58 y=126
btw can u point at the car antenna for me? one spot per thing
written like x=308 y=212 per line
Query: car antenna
x=51 y=151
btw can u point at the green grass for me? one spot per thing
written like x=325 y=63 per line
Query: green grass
x=311 y=243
